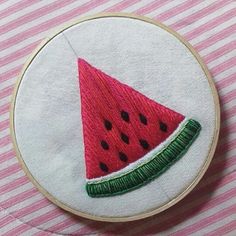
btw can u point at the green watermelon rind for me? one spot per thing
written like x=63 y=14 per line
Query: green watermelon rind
x=150 y=170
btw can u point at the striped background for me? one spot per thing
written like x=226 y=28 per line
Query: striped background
x=210 y=26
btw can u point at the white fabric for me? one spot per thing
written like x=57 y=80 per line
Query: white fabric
x=48 y=128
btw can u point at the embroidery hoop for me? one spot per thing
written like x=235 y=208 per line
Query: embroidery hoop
x=168 y=204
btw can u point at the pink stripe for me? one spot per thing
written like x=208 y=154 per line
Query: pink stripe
x=230 y=96
x=199 y=14
x=223 y=230
x=151 y=7
x=211 y=24
x=6 y=155
x=219 y=52
x=229 y=129
x=207 y=221
x=6 y=91
x=67 y=223
x=39 y=204
x=16 y=7
x=18 y=230
x=10 y=74
x=228 y=113
x=227 y=81
x=46 y=217
x=4 y=108
x=6 y=220
x=59 y=226
x=121 y=5
x=223 y=66
x=2 y=1
x=50 y=23
x=230 y=145
x=34 y=15
x=177 y=10
x=215 y=38
x=4 y=125
x=19 y=198
x=5 y=140
x=16 y=183
x=18 y=54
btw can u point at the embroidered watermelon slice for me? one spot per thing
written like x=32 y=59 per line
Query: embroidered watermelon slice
x=129 y=139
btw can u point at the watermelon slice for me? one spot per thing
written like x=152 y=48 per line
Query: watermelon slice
x=129 y=139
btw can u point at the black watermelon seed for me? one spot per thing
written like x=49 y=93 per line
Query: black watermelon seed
x=103 y=167
x=143 y=119
x=125 y=116
x=163 y=126
x=144 y=143
x=104 y=145
x=123 y=157
x=107 y=124
x=125 y=138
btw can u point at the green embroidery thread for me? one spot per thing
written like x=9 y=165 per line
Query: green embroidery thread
x=146 y=172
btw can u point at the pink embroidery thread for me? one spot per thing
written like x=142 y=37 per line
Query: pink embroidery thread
x=120 y=125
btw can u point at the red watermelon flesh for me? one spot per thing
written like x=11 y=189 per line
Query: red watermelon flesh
x=120 y=125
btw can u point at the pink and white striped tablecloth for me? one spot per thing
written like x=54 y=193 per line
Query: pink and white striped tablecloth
x=210 y=26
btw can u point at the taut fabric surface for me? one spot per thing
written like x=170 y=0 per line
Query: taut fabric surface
x=48 y=130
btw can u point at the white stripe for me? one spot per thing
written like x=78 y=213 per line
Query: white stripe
x=4 y=133
x=225 y=57
x=42 y=19
x=203 y=20
x=7 y=4
x=3 y=117
x=53 y=221
x=8 y=163
x=9 y=82
x=224 y=74
x=229 y=88
x=189 y=12
x=15 y=192
x=230 y=104
x=23 y=12
x=165 y=8
x=6 y=147
x=11 y=178
x=26 y=42
x=232 y=233
x=34 y=215
x=217 y=45
x=212 y=32
x=5 y=100
x=14 y=64
x=25 y=203
x=138 y=5
x=215 y=226
x=74 y=228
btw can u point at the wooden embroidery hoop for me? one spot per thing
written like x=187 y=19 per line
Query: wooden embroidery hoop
x=142 y=215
